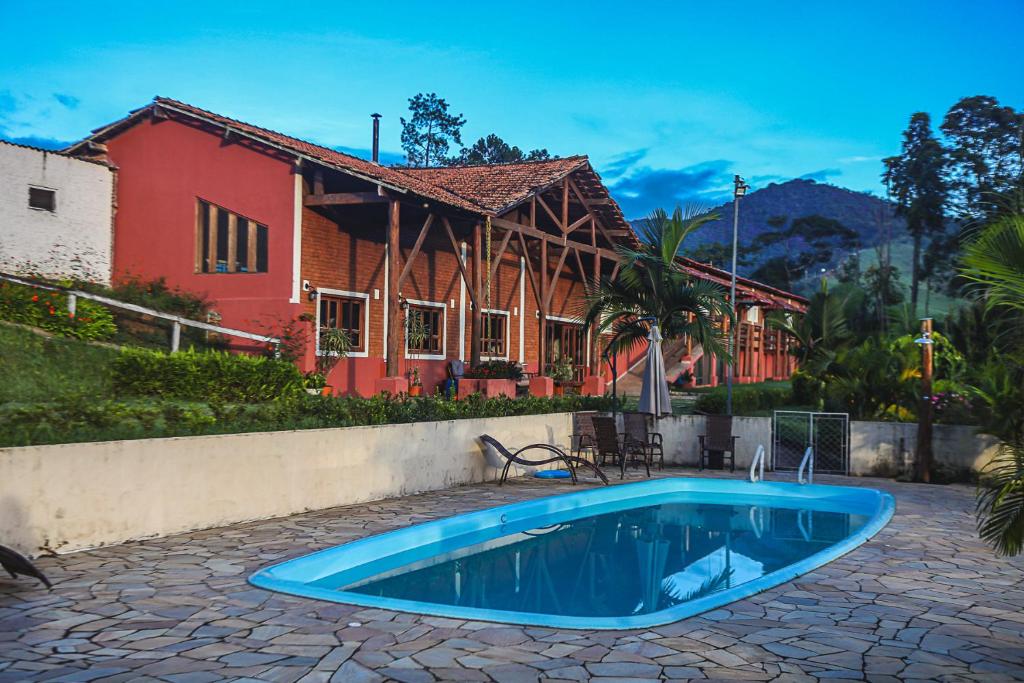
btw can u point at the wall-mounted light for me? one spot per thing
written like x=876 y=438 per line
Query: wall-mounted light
x=312 y=294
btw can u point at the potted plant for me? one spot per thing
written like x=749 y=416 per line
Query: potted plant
x=314 y=383
x=416 y=329
x=496 y=377
x=562 y=372
x=334 y=345
x=415 y=383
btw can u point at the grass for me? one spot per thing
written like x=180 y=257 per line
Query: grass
x=35 y=367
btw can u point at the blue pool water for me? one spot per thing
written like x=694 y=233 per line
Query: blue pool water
x=618 y=557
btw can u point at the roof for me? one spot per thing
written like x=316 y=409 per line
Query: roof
x=55 y=152
x=746 y=289
x=485 y=190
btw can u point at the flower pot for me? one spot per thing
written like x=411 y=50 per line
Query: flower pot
x=327 y=391
x=416 y=390
x=559 y=390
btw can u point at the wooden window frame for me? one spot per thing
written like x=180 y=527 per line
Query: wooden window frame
x=206 y=237
x=417 y=354
x=495 y=313
x=345 y=294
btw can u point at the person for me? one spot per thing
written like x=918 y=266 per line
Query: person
x=455 y=370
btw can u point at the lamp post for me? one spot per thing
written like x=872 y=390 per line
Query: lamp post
x=740 y=188
x=923 y=456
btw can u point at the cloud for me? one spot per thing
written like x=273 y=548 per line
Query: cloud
x=621 y=163
x=822 y=175
x=36 y=141
x=858 y=158
x=69 y=101
x=707 y=183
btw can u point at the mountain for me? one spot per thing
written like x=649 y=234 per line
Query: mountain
x=863 y=213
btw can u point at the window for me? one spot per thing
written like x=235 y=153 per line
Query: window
x=425 y=329
x=227 y=242
x=42 y=198
x=347 y=314
x=493 y=340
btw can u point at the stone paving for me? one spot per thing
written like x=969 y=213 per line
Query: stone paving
x=923 y=600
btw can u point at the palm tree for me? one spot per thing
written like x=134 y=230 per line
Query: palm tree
x=651 y=283
x=994 y=261
x=819 y=333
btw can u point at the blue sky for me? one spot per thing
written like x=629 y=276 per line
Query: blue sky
x=668 y=99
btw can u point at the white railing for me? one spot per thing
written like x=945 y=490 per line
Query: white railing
x=757 y=465
x=806 y=464
x=177 y=321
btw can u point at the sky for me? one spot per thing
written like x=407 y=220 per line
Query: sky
x=669 y=100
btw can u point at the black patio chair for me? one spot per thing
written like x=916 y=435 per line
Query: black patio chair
x=15 y=563
x=638 y=432
x=620 y=450
x=571 y=461
x=583 y=439
x=719 y=439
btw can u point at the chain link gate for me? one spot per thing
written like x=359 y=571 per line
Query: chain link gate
x=828 y=433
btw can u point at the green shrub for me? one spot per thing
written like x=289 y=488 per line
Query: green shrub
x=204 y=376
x=79 y=419
x=807 y=389
x=48 y=310
x=495 y=369
x=746 y=399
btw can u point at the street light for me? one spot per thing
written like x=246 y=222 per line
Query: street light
x=923 y=456
x=739 y=189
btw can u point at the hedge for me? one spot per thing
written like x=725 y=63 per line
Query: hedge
x=84 y=419
x=746 y=400
x=204 y=376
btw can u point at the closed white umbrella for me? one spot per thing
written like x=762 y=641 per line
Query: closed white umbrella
x=654 y=397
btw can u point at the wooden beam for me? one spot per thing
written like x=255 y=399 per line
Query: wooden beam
x=476 y=323
x=581 y=270
x=597 y=202
x=547 y=209
x=496 y=258
x=578 y=223
x=338 y=198
x=558 y=272
x=542 y=320
x=415 y=249
x=506 y=224
x=318 y=182
x=565 y=205
x=394 y=309
x=458 y=258
x=529 y=269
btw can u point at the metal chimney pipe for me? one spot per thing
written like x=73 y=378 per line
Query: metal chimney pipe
x=376 y=137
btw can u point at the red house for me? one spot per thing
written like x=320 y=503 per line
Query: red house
x=493 y=261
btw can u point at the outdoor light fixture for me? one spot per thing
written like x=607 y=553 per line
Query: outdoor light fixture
x=312 y=294
x=925 y=338
x=740 y=188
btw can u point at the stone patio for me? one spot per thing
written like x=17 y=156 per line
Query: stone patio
x=923 y=600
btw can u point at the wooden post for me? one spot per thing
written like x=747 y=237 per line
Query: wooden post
x=395 y=323
x=543 y=318
x=923 y=459
x=595 y=341
x=476 y=323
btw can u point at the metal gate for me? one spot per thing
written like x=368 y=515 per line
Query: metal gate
x=829 y=434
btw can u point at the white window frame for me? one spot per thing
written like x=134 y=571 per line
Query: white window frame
x=366 y=318
x=508 y=318
x=444 y=331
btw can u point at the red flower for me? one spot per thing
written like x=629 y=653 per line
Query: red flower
x=35 y=297
x=52 y=311
x=70 y=314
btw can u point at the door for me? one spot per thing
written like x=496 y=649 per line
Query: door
x=566 y=339
x=828 y=433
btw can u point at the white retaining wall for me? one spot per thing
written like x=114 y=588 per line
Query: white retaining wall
x=73 y=496
x=75 y=240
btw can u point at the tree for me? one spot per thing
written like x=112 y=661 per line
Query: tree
x=493 y=150
x=651 y=283
x=718 y=254
x=916 y=177
x=427 y=135
x=986 y=157
x=820 y=332
x=809 y=241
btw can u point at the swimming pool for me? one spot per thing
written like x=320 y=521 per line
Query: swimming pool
x=627 y=556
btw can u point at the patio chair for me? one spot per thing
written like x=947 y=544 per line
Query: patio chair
x=719 y=439
x=15 y=563
x=637 y=432
x=583 y=439
x=620 y=450
x=516 y=457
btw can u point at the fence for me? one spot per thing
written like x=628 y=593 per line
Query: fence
x=176 y=320
x=827 y=433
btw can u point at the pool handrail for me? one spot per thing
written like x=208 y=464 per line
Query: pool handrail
x=757 y=465
x=808 y=464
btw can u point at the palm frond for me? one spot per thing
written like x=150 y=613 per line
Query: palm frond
x=1000 y=503
x=994 y=261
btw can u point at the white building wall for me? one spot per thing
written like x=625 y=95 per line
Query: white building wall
x=75 y=240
